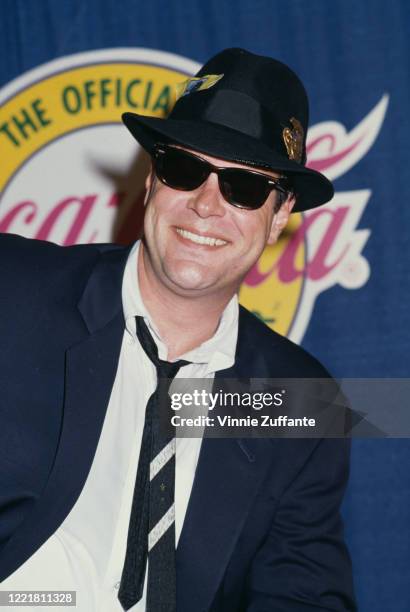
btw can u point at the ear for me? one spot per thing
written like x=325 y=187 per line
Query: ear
x=149 y=185
x=280 y=219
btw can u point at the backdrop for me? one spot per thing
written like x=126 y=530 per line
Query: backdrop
x=338 y=282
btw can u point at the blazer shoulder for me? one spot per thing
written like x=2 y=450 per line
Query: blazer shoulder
x=40 y=266
x=27 y=248
x=286 y=357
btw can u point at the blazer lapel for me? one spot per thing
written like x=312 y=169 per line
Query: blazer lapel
x=89 y=375
x=226 y=482
x=228 y=476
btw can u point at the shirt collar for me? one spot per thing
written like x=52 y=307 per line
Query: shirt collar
x=217 y=353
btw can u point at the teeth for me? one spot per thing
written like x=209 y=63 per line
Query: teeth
x=200 y=239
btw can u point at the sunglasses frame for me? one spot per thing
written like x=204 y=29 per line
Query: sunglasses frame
x=161 y=149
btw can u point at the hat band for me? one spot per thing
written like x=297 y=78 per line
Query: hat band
x=234 y=110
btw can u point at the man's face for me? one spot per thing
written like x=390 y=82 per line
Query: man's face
x=176 y=223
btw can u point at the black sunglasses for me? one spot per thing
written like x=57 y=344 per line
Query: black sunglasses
x=185 y=171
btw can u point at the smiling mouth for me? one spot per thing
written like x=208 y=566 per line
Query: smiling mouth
x=206 y=240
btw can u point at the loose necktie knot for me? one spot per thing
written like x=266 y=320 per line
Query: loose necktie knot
x=165 y=369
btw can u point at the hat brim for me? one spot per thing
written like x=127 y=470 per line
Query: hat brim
x=312 y=188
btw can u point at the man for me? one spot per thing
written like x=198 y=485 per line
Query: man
x=255 y=521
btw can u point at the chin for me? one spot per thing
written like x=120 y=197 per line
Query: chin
x=188 y=276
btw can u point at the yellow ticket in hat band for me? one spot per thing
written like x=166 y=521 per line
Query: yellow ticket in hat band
x=197 y=84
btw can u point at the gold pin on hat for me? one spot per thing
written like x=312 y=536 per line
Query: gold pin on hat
x=293 y=139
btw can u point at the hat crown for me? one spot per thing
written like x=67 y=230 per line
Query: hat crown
x=272 y=83
x=255 y=95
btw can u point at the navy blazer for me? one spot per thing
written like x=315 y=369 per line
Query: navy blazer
x=262 y=530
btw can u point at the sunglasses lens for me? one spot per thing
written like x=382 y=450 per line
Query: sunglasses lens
x=244 y=189
x=180 y=170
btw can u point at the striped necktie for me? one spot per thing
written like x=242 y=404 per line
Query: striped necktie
x=151 y=531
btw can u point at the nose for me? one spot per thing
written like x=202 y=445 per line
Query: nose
x=207 y=199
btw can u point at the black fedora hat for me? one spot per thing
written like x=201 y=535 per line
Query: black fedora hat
x=246 y=108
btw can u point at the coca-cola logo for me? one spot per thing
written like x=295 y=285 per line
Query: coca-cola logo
x=71 y=174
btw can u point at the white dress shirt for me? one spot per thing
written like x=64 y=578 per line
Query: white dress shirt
x=86 y=553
